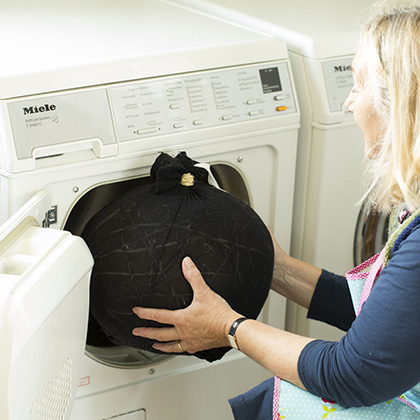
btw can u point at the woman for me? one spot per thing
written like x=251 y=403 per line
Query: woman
x=378 y=359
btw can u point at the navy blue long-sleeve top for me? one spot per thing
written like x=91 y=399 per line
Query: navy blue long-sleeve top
x=379 y=356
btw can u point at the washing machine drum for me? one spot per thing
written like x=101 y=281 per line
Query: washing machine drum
x=138 y=243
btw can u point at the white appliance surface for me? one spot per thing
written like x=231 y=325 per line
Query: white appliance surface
x=322 y=39
x=321 y=29
x=67 y=44
x=90 y=94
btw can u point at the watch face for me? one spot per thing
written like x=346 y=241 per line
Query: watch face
x=232 y=342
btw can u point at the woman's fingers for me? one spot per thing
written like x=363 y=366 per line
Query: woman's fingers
x=163 y=316
x=159 y=334
x=171 y=347
x=168 y=340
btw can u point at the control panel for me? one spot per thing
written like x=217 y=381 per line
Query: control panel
x=204 y=99
x=338 y=81
x=100 y=117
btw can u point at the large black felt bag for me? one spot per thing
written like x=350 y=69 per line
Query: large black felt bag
x=139 y=241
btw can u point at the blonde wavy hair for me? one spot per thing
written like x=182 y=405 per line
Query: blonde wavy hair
x=390 y=44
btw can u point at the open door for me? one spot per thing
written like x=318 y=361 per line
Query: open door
x=44 y=297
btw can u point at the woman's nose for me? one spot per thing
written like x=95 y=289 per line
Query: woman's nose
x=348 y=103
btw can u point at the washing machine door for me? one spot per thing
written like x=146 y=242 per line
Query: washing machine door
x=44 y=287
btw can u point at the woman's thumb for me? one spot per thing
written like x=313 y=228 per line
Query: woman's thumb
x=192 y=274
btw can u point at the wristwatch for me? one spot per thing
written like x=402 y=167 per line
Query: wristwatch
x=232 y=333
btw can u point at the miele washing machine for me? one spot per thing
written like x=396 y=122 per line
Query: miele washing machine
x=322 y=38
x=90 y=94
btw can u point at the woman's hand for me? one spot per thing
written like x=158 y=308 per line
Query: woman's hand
x=206 y=322
x=201 y=326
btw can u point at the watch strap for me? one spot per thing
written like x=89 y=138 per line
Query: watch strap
x=235 y=325
x=232 y=332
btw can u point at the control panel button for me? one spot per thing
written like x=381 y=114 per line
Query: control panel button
x=148 y=130
x=251 y=102
x=178 y=125
x=281 y=108
x=174 y=106
x=227 y=117
x=198 y=122
x=279 y=98
x=253 y=113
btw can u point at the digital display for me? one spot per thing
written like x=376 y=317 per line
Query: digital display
x=270 y=80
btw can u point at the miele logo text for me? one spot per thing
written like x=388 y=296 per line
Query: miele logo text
x=341 y=68
x=38 y=109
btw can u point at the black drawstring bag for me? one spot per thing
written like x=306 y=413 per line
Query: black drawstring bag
x=138 y=243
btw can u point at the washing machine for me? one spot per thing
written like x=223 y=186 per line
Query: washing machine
x=90 y=94
x=322 y=39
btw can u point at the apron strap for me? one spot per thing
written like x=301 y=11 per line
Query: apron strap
x=359 y=272
x=371 y=277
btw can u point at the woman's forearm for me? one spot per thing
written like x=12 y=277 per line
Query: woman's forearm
x=294 y=279
x=276 y=350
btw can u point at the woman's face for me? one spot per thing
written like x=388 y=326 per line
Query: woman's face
x=360 y=104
